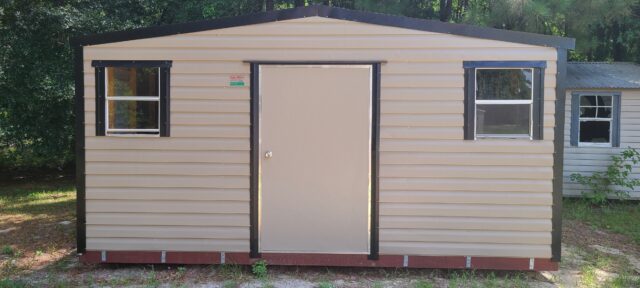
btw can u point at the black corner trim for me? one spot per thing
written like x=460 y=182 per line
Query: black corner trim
x=100 y=102
x=254 y=163
x=131 y=63
x=504 y=64
x=617 y=107
x=375 y=163
x=78 y=71
x=575 y=119
x=538 y=105
x=165 y=101
x=469 y=103
x=558 y=154
x=334 y=13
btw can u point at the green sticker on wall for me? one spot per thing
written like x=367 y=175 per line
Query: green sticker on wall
x=236 y=80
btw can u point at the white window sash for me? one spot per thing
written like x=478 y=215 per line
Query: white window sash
x=131 y=132
x=504 y=102
x=596 y=119
x=134 y=98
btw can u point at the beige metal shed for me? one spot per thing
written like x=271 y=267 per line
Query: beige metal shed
x=321 y=136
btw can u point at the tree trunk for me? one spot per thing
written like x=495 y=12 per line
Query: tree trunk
x=445 y=10
x=299 y=3
x=268 y=5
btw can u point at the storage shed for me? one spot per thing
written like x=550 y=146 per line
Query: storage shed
x=321 y=136
x=602 y=118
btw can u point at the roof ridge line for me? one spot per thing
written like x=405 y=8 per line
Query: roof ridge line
x=367 y=17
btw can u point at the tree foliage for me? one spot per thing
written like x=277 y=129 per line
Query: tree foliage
x=36 y=81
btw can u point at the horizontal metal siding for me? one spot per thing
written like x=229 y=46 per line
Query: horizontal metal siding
x=586 y=160
x=440 y=195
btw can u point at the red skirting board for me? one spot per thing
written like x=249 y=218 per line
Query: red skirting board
x=338 y=260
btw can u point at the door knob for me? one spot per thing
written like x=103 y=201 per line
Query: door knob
x=268 y=154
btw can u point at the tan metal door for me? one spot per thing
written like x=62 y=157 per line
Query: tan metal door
x=315 y=133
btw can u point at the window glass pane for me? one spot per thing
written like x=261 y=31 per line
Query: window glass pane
x=604 y=112
x=504 y=84
x=124 y=114
x=595 y=131
x=588 y=112
x=136 y=81
x=604 y=100
x=503 y=119
x=587 y=100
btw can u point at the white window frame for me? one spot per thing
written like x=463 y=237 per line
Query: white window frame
x=610 y=120
x=119 y=132
x=503 y=102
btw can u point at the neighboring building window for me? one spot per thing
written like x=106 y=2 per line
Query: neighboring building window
x=132 y=97
x=595 y=118
x=503 y=99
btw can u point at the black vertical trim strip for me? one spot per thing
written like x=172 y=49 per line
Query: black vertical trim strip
x=615 y=126
x=575 y=119
x=165 y=102
x=375 y=155
x=538 y=105
x=100 y=101
x=469 y=104
x=78 y=71
x=254 y=161
x=558 y=154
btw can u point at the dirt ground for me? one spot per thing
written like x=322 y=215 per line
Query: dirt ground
x=592 y=258
x=37 y=234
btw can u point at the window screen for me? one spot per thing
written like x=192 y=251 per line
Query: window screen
x=503 y=102
x=133 y=100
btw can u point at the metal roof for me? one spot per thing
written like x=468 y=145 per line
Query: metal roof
x=334 y=13
x=603 y=75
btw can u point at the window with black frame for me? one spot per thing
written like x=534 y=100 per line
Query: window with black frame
x=132 y=98
x=503 y=99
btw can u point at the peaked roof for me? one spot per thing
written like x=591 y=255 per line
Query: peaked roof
x=603 y=75
x=334 y=13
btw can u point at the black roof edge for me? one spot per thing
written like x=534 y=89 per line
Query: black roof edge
x=334 y=13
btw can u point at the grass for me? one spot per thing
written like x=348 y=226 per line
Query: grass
x=37 y=198
x=621 y=217
x=31 y=212
x=423 y=284
x=34 y=210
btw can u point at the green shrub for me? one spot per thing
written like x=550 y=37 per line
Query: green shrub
x=259 y=269
x=423 y=284
x=614 y=182
x=325 y=285
x=7 y=250
x=7 y=283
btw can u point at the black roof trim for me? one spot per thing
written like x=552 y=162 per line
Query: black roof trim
x=334 y=13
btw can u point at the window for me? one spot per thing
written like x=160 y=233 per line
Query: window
x=132 y=98
x=503 y=99
x=595 y=119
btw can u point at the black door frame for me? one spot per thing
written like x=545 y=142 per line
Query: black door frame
x=255 y=148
